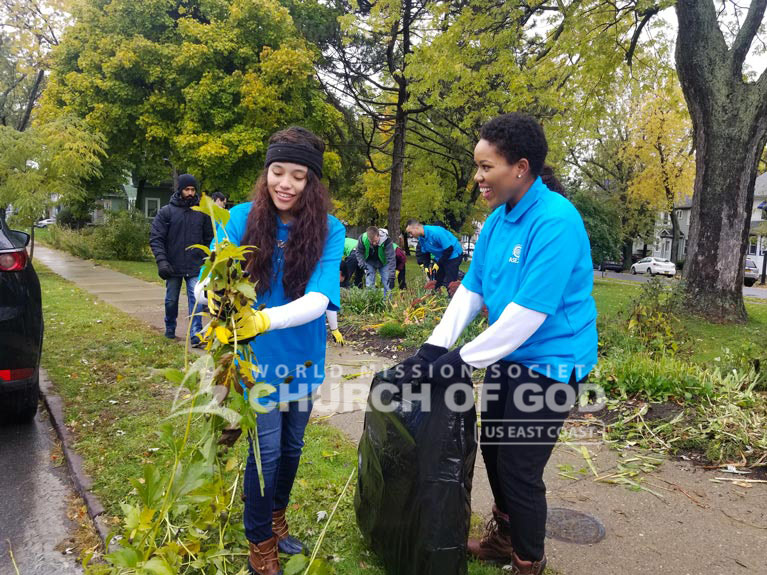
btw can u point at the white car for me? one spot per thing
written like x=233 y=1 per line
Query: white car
x=654 y=266
x=45 y=223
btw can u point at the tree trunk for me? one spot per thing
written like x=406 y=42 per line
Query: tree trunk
x=724 y=190
x=730 y=123
x=675 y=236
x=628 y=252
x=33 y=93
x=397 y=170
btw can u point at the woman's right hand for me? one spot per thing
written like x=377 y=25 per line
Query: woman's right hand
x=416 y=366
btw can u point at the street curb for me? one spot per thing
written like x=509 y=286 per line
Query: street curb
x=81 y=480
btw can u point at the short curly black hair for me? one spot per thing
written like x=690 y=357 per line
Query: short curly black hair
x=517 y=136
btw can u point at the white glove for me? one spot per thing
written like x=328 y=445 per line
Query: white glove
x=199 y=291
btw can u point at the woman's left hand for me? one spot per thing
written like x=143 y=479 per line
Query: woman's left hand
x=338 y=337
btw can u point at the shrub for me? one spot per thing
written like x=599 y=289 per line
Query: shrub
x=653 y=318
x=391 y=329
x=72 y=219
x=652 y=378
x=363 y=301
x=124 y=236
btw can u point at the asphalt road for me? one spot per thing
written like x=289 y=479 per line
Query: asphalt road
x=760 y=293
x=33 y=502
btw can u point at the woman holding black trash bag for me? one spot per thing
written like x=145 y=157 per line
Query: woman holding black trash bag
x=532 y=269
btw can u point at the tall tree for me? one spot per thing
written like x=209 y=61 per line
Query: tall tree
x=662 y=153
x=48 y=160
x=729 y=116
x=202 y=83
x=31 y=28
x=370 y=67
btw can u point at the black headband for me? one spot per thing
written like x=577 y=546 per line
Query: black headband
x=295 y=154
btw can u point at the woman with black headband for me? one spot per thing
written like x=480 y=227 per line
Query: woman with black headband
x=296 y=272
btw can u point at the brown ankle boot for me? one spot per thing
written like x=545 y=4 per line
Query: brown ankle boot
x=263 y=558
x=495 y=546
x=285 y=541
x=519 y=567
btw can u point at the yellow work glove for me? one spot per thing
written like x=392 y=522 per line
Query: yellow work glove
x=250 y=323
x=337 y=337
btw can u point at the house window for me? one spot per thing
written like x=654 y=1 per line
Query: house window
x=151 y=207
x=752 y=246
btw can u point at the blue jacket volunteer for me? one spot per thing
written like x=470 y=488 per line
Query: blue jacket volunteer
x=532 y=268
x=295 y=270
x=435 y=242
x=284 y=352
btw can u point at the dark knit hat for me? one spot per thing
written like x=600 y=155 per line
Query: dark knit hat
x=186 y=180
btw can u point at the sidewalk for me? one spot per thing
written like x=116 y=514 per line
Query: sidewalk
x=697 y=528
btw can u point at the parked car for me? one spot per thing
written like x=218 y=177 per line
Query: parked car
x=21 y=328
x=751 y=273
x=45 y=223
x=654 y=266
x=609 y=265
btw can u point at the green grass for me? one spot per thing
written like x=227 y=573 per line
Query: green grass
x=146 y=271
x=106 y=367
x=706 y=341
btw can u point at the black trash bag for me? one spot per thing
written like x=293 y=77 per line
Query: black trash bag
x=413 y=499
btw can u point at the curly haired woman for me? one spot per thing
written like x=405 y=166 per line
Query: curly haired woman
x=295 y=267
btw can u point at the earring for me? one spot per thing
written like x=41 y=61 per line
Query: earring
x=519 y=176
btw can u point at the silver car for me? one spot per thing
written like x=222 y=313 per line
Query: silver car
x=751 y=273
x=654 y=266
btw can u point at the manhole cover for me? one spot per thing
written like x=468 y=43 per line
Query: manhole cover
x=574 y=526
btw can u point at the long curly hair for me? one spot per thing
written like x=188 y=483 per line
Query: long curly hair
x=308 y=230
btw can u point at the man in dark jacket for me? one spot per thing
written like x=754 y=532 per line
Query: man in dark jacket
x=375 y=253
x=176 y=227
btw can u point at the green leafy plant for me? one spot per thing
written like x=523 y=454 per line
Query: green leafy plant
x=654 y=318
x=391 y=329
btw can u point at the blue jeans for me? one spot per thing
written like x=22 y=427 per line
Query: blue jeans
x=280 y=439
x=370 y=277
x=172 y=291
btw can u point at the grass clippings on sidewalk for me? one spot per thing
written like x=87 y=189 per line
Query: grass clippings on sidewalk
x=107 y=368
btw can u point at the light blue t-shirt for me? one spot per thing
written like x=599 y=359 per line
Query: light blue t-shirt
x=538 y=256
x=283 y=352
x=436 y=240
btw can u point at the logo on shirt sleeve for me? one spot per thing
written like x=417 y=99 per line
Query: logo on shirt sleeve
x=514 y=259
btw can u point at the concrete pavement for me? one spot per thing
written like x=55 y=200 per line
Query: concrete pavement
x=691 y=527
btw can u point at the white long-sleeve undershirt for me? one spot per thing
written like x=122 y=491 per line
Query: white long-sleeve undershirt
x=513 y=328
x=464 y=306
x=332 y=319
x=307 y=308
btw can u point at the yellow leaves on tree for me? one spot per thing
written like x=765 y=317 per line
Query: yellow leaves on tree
x=661 y=148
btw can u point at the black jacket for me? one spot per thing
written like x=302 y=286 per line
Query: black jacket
x=174 y=228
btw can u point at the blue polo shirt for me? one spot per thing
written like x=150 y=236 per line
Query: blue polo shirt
x=436 y=240
x=283 y=352
x=538 y=256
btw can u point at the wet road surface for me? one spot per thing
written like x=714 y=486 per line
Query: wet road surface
x=33 y=502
